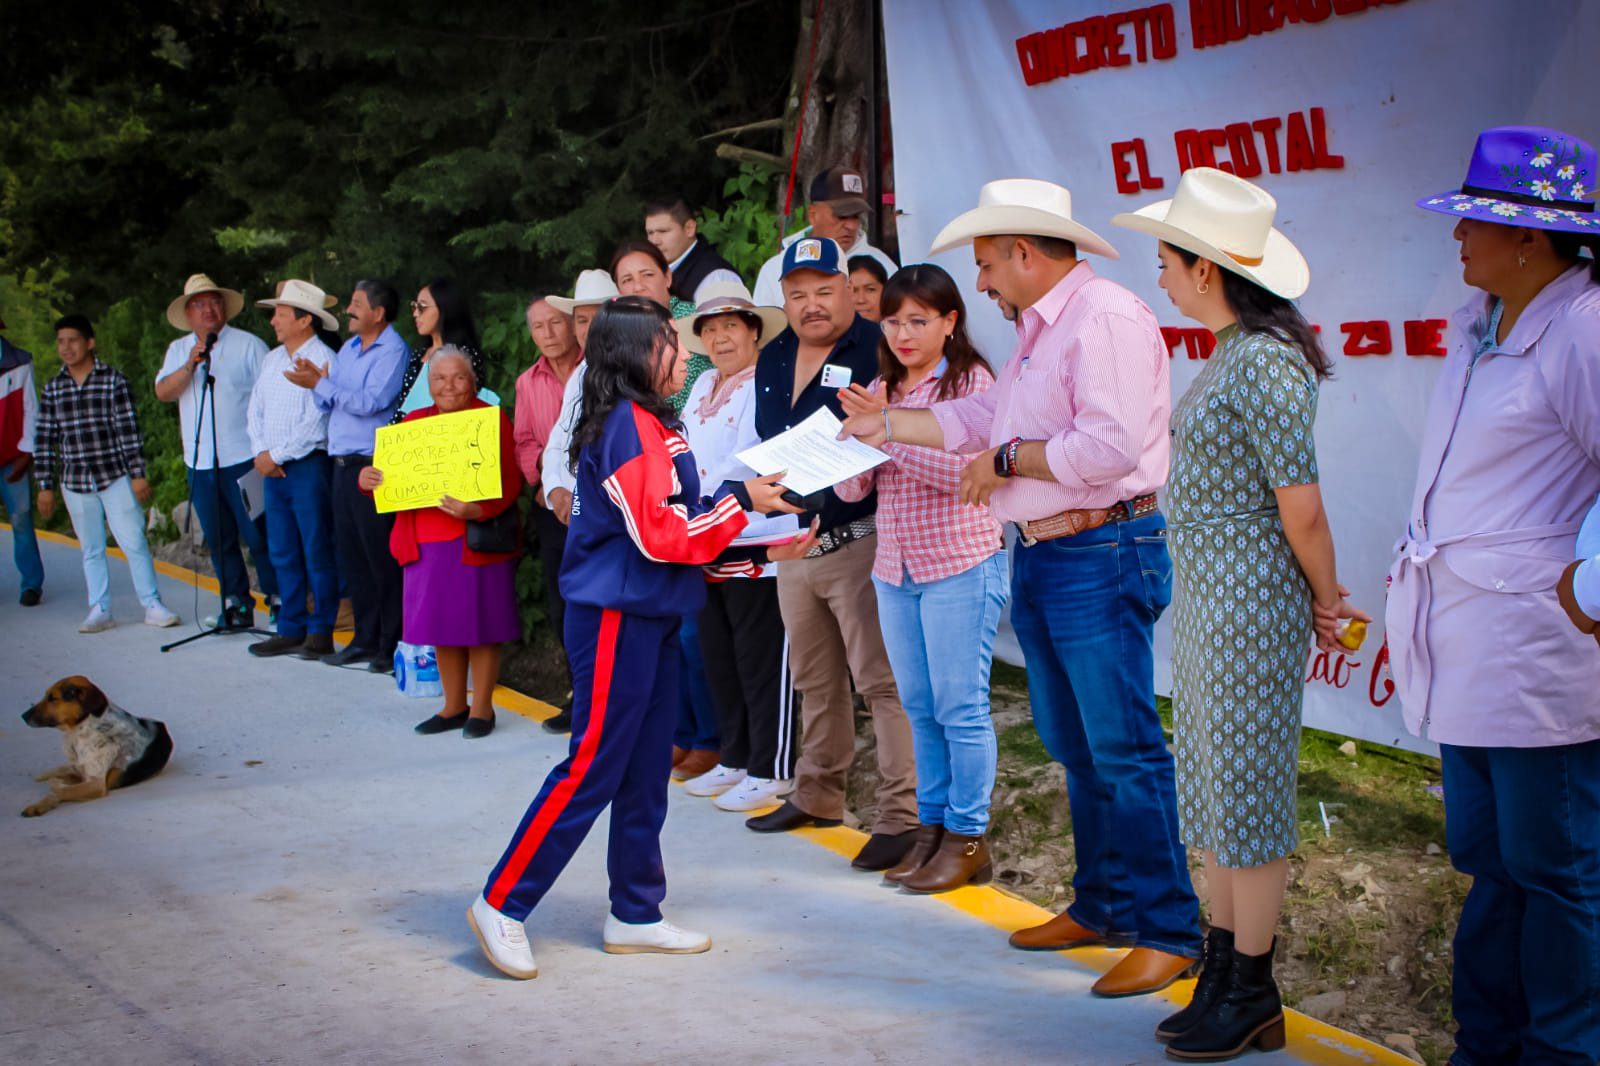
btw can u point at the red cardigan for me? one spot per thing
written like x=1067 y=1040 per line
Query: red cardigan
x=403 y=539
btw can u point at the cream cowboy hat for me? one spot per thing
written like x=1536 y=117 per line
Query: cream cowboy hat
x=306 y=297
x=593 y=287
x=725 y=298
x=233 y=302
x=1228 y=221
x=1022 y=206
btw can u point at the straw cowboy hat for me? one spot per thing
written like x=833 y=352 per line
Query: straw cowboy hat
x=197 y=284
x=593 y=287
x=330 y=301
x=1024 y=207
x=306 y=297
x=726 y=298
x=1526 y=176
x=1229 y=221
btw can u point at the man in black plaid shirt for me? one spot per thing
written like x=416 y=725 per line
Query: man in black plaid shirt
x=88 y=427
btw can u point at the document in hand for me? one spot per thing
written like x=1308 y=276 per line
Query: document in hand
x=812 y=455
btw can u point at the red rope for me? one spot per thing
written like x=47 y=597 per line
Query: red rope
x=800 y=124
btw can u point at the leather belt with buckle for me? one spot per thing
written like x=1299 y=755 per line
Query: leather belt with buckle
x=1071 y=523
x=352 y=460
x=833 y=539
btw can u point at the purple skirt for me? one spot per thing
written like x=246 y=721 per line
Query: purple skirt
x=451 y=604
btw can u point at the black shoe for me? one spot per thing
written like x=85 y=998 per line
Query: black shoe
x=441 y=725
x=1247 y=1014
x=29 y=598
x=883 y=850
x=1216 y=960
x=477 y=727
x=266 y=649
x=560 y=723
x=317 y=646
x=789 y=817
x=349 y=655
x=381 y=664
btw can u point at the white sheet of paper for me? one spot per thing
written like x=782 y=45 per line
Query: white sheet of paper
x=768 y=530
x=253 y=487
x=812 y=455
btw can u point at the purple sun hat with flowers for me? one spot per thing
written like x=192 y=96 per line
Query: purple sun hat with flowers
x=1526 y=176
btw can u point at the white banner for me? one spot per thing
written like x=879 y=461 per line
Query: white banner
x=1347 y=111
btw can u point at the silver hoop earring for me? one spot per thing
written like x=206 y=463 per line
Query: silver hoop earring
x=1522 y=261
x=1203 y=288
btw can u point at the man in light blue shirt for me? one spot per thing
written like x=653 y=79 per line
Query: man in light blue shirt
x=1579 y=589
x=232 y=365
x=359 y=393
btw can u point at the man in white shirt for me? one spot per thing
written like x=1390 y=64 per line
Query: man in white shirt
x=693 y=261
x=216 y=441
x=289 y=434
x=836 y=209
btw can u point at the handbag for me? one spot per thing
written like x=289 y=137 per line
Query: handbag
x=497 y=535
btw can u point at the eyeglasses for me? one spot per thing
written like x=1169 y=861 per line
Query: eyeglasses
x=914 y=326
x=417 y=307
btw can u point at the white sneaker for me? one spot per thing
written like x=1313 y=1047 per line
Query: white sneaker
x=503 y=940
x=653 y=938
x=160 y=617
x=97 y=621
x=714 y=782
x=753 y=793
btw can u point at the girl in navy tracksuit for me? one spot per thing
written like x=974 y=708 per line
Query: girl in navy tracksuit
x=639 y=533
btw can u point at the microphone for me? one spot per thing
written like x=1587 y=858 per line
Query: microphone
x=205 y=353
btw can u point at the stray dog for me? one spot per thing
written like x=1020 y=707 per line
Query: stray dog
x=107 y=747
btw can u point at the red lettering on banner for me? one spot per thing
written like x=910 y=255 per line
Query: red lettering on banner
x=1367 y=338
x=1335 y=670
x=1377 y=675
x=1127 y=155
x=1214 y=22
x=1248 y=148
x=1056 y=53
x=1425 y=336
x=1197 y=343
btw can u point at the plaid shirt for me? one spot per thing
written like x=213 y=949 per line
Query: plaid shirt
x=90 y=429
x=923 y=527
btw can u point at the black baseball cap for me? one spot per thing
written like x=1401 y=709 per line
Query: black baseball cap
x=841 y=188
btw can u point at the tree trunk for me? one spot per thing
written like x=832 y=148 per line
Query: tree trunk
x=836 y=121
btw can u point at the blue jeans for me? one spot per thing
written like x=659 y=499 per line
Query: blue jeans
x=940 y=640
x=225 y=529
x=300 y=543
x=91 y=512
x=24 y=545
x=1524 y=823
x=698 y=728
x=1084 y=609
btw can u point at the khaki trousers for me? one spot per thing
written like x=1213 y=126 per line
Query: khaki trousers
x=831 y=614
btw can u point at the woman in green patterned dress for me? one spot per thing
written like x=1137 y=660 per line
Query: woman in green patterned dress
x=1252 y=554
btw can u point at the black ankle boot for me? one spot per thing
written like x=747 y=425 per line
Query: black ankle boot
x=1248 y=1014
x=1216 y=962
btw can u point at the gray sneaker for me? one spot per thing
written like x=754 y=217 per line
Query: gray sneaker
x=97 y=621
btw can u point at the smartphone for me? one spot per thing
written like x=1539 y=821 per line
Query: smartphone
x=835 y=376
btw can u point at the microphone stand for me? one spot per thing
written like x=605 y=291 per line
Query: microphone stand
x=208 y=393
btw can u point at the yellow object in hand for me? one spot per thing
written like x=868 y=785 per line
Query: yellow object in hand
x=1352 y=632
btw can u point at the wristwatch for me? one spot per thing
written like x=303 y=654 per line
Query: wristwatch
x=1005 y=458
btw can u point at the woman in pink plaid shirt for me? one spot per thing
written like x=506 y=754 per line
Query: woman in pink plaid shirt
x=941 y=579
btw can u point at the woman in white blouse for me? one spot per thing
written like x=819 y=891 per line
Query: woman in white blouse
x=741 y=630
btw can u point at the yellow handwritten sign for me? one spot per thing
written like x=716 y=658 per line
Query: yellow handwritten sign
x=457 y=454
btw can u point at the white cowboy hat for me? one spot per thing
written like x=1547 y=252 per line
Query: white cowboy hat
x=593 y=287
x=725 y=298
x=1229 y=221
x=233 y=302
x=306 y=297
x=1024 y=207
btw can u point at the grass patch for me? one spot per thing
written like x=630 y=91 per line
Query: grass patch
x=1020 y=746
x=1380 y=796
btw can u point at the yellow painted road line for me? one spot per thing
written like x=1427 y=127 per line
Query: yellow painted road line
x=1310 y=1040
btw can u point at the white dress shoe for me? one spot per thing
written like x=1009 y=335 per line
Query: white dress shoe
x=652 y=938
x=753 y=794
x=98 y=620
x=503 y=940
x=714 y=782
x=160 y=616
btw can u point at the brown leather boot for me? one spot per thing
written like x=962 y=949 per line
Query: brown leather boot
x=960 y=860
x=1058 y=934
x=923 y=845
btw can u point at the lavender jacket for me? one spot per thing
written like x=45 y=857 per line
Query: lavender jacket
x=1481 y=652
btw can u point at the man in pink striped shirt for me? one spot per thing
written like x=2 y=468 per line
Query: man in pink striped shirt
x=1070 y=446
x=538 y=405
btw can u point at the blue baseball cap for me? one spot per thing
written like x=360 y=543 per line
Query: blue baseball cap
x=813 y=253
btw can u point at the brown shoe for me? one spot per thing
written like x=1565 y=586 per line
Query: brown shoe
x=1141 y=971
x=695 y=763
x=1058 y=934
x=960 y=860
x=678 y=755
x=345 y=621
x=923 y=844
